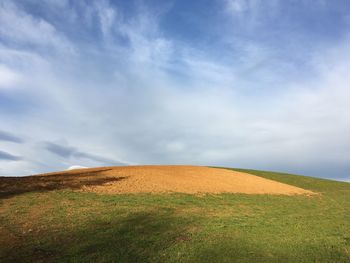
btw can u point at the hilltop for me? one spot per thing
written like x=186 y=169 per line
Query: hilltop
x=86 y=216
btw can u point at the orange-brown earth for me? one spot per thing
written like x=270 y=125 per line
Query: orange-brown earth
x=150 y=179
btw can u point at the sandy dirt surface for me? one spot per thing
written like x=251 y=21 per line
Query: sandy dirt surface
x=148 y=179
x=181 y=179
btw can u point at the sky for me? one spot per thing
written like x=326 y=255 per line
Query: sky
x=261 y=84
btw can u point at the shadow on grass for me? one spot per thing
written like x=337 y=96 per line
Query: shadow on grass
x=157 y=236
x=139 y=237
x=10 y=186
x=241 y=250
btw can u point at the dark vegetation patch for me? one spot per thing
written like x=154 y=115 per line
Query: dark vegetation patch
x=10 y=186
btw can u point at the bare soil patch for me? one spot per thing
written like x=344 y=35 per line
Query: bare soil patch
x=177 y=178
x=148 y=179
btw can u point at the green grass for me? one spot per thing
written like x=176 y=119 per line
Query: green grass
x=68 y=226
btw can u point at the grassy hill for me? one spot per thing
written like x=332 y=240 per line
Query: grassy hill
x=62 y=225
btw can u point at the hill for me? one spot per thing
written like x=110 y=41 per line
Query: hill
x=151 y=179
x=66 y=217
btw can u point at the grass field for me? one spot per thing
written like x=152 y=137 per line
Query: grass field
x=66 y=226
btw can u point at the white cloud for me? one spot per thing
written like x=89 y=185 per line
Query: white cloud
x=23 y=29
x=74 y=167
x=238 y=6
x=107 y=16
x=248 y=15
x=8 y=77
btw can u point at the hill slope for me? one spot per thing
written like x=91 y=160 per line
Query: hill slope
x=54 y=223
x=152 y=179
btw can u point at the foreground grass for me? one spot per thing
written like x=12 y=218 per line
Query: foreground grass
x=67 y=226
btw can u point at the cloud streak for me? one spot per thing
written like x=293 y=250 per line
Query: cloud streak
x=71 y=152
x=5 y=156
x=5 y=136
x=21 y=28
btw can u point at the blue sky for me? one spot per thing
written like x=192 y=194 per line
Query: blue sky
x=240 y=83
